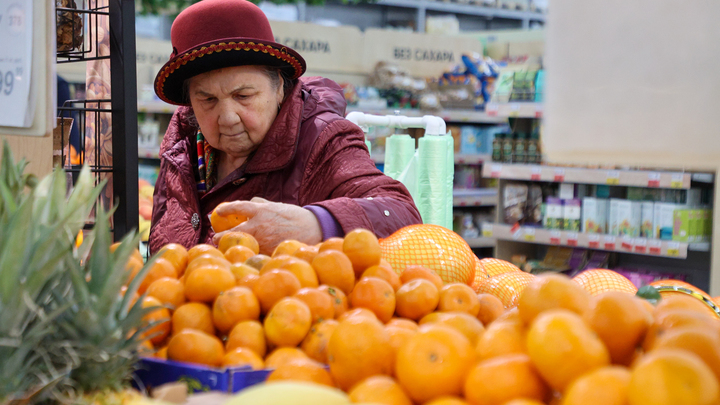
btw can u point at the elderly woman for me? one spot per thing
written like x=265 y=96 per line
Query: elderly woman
x=250 y=131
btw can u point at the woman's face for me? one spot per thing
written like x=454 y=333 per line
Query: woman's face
x=235 y=107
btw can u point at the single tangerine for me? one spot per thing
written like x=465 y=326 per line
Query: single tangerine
x=249 y=334
x=194 y=346
x=221 y=223
x=376 y=295
x=235 y=305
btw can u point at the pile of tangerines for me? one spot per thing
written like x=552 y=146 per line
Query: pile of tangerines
x=409 y=338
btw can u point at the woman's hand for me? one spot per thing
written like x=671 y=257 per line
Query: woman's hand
x=271 y=223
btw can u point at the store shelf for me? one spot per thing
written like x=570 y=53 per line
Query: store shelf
x=466 y=116
x=379 y=158
x=641 y=246
x=475 y=197
x=637 y=178
x=149 y=153
x=519 y=109
x=480 y=242
x=703 y=177
x=156 y=107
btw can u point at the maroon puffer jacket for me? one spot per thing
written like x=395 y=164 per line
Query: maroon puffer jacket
x=310 y=156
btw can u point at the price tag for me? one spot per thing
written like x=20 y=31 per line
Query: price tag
x=609 y=243
x=514 y=110
x=677 y=180
x=16 y=23
x=555 y=237
x=626 y=244
x=559 y=175
x=535 y=172
x=613 y=177
x=654 y=179
x=516 y=231
x=572 y=239
x=594 y=241
x=640 y=245
x=487 y=230
x=654 y=247
x=495 y=171
x=530 y=234
x=492 y=109
x=538 y=111
x=673 y=249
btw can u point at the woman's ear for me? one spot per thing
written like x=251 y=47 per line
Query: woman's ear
x=280 y=91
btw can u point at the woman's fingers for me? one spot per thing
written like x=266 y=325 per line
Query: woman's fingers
x=246 y=208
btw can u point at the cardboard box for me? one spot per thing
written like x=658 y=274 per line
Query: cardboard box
x=554 y=213
x=664 y=220
x=682 y=225
x=572 y=215
x=155 y=372
x=594 y=213
x=612 y=216
x=647 y=214
x=625 y=217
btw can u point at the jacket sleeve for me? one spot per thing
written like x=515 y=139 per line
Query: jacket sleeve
x=342 y=178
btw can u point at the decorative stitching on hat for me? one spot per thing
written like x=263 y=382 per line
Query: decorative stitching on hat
x=208 y=50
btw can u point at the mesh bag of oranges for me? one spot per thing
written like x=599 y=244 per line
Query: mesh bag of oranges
x=434 y=247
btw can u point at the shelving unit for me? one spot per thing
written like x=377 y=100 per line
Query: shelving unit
x=518 y=109
x=480 y=242
x=460 y=159
x=478 y=197
x=459 y=116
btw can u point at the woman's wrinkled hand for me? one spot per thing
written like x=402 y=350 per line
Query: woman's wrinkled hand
x=271 y=223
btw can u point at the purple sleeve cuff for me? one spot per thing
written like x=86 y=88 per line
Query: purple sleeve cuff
x=328 y=224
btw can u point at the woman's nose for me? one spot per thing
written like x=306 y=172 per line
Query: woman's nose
x=228 y=117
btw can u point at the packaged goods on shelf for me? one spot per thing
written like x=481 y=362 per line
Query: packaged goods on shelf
x=597 y=260
x=571 y=215
x=514 y=200
x=539 y=86
x=647 y=215
x=533 y=208
x=467 y=176
x=594 y=213
x=625 y=217
x=664 y=220
x=554 y=213
x=468 y=140
x=523 y=86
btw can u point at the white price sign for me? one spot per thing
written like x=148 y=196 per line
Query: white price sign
x=15 y=62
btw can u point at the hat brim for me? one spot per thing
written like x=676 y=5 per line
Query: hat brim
x=219 y=54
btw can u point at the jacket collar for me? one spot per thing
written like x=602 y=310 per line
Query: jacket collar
x=277 y=150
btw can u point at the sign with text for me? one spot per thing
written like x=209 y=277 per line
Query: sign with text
x=422 y=54
x=150 y=56
x=325 y=49
x=16 y=27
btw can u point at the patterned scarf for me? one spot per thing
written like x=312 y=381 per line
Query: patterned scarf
x=206 y=154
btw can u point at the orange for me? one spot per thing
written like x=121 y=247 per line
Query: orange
x=524 y=401
x=379 y=389
x=193 y=315
x=512 y=315
x=146 y=349
x=238 y=254
x=621 y=321
x=434 y=362
x=416 y=298
x=666 y=288
x=169 y=291
x=398 y=337
x=501 y=338
x=339 y=299
x=414 y=272
x=604 y=386
x=503 y=378
x=597 y=281
x=682 y=301
x=506 y=286
x=301 y=269
x=463 y=322
x=359 y=348
x=235 y=305
x=334 y=269
x=287 y=247
x=358 y=312
x=202 y=249
x=257 y=261
x=672 y=377
x=447 y=400
x=240 y=270
x=160 y=268
x=133 y=267
x=563 y=347
x=701 y=341
x=458 y=297
x=221 y=223
x=160 y=317
x=206 y=260
x=333 y=243
x=283 y=355
x=362 y=248
x=403 y=323
x=319 y=302
x=194 y=346
x=273 y=286
x=302 y=370
x=552 y=291
x=306 y=253
x=242 y=356
x=238 y=238
x=316 y=342
x=480 y=274
x=204 y=284
x=376 y=295
x=248 y=334
x=494 y=267
x=288 y=322
x=677 y=318
x=385 y=273
x=490 y=308
x=161 y=353
x=177 y=255
x=248 y=281
x=135 y=254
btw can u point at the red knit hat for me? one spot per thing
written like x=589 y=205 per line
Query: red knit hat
x=214 y=34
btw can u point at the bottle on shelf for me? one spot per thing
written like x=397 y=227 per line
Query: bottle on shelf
x=533 y=148
x=497 y=146
x=507 y=148
x=520 y=148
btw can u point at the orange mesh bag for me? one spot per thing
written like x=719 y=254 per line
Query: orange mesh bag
x=493 y=267
x=507 y=286
x=480 y=275
x=597 y=281
x=434 y=247
x=669 y=287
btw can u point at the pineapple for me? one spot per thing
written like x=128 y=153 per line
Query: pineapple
x=65 y=329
